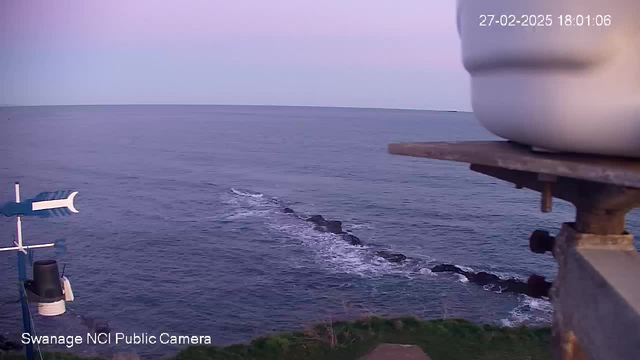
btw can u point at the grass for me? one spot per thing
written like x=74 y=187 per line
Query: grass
x=441 y=339
x=46 y=356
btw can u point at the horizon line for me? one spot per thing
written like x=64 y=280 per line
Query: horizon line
x=255 y=105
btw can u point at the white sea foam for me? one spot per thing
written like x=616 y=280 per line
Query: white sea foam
x=247 y=193
x=538 y=304
x=360 y=226
x=250 y=213
x=508 y=275
x=327 y=249
x=516 y=318
x=529 y=311
x=466 y=268
x=337 y=255
x=427 y=271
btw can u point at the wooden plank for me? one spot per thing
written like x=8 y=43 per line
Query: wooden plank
x=397 y=352
x=508 y=155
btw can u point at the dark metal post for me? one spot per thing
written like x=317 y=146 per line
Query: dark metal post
x=26 y=318
x=22 y=277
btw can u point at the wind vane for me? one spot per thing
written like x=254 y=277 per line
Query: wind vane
x=49 y=290
x=45 y=204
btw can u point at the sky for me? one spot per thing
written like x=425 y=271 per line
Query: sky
x=353 y=53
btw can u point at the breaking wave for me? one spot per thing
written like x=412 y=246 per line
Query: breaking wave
x=331 y=251
x=529 y=311
x=327 y=249
x=247 y=193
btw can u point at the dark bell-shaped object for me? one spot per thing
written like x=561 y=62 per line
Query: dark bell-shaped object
x=46 y=281
x=46 y=284
x=46 y=288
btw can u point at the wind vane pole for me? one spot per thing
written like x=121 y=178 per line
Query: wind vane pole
x=45 y=204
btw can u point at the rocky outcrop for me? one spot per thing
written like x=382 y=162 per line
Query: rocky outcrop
x=487 y=279
x=351 y=239
x=324 y=225
x=317 y=219
x=391 y=257
x=482 y=278
x=335 y=227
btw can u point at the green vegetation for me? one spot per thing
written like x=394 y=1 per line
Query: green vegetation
x=441 y=339
x=46 y=356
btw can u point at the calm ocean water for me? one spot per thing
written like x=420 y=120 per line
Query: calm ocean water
x=181 y=231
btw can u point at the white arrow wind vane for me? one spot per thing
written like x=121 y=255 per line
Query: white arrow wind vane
x=56 y=204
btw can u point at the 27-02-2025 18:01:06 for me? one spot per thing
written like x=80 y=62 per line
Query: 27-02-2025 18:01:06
x=544 y=20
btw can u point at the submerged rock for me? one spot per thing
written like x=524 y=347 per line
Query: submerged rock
x=288 y=211
x=334 y=227
x=483 y=278
x=324 y=225
x=447 y=268
x=318 y=220
x=351 y=239
x=391 y=257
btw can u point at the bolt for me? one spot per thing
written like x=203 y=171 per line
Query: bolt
x=540 y=242
x=538 y=286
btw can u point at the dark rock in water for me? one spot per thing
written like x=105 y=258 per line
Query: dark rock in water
x=515 y=286
x=318 y=220
x=320 y=228
x=288 y=211
x=334 y=227
x=537 y=286
x=352 y=239
x=483 y=278
x=391 y=257
x=325 y=225
x=447 y=268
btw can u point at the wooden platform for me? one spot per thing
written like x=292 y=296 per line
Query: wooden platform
x=397 y=352
x=595 y=294
x=508 y=155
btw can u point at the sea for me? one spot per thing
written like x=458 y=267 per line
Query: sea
x=181 y=227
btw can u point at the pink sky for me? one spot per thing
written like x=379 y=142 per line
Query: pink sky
x=221 y=52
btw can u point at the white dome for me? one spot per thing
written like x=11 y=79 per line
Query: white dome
x=557 y=85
